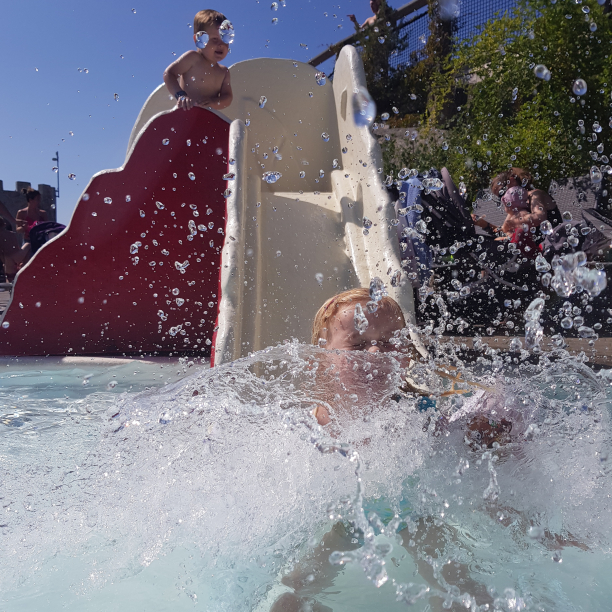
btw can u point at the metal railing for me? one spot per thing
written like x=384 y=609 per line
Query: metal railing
x=413 y=24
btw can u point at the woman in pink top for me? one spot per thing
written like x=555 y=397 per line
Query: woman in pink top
x=28 y=217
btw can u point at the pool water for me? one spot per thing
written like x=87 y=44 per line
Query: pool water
x=160 y=485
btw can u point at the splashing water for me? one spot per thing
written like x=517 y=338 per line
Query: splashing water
x=572 y=276
x=579 y=87
x=271 y=177
x=360 y=320
x=201 y=40
x=226 y=31
x=542 y=72
x=221 y=488
x=364 y=107
x=377 y=289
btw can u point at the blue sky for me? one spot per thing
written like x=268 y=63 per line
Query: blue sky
x=44 y=44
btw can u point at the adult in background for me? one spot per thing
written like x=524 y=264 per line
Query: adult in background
x=12 y=253
x=28 y=217
x=375 y=7
x=542 y=206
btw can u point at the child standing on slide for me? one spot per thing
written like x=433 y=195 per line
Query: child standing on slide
x=197 y=78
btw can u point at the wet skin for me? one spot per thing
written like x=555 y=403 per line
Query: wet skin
x=341 y=335
x=200 y=75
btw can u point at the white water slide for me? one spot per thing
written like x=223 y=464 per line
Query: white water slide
x=281 y=237
x=287 y=246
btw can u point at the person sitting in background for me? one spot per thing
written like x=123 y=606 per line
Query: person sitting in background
x=541 y=205
x=28 y=217
x=375 y=7
x=12 y=253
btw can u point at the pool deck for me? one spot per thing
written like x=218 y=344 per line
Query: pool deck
x=599 y=354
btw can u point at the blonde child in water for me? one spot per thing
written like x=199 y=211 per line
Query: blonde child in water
x=197 y=78
x=334 y=329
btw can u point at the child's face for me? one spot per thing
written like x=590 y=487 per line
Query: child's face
x=215 y=50
x=342 y=335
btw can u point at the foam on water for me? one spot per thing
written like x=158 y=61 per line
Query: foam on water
x=218 y=489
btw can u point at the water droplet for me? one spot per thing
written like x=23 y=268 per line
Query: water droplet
x=142 y=213
x=595 y=174
x=377 y=289
x=226 y=31
x=344 y=150
x=319 y=278
x=567 y=215
x=381 y=39
x=302 y=174
x=360 y=320
x=201 y=227
x=367 y=224
x=593 y=26
x=320 y=78
x=201 y=40
x=134 y=11
x=274 y=6
x=271 y=176
x=166 y=141
x=5 y=324
x=227 y=193
x=325 y=137
x=278 y=253
x=72 y=176
x=94 y=214
x=55 y=169
x=191 y=175
x=384 y=117
x=179 y=301
x=219 y=151
x=86 y=70
x=262 y=101
x=364 y=108
x=274 y=20
x=579 y=87
x=433 y=184
x=546 y=228
x=116 y=96
x=541 y=265
x=108 y=200
x=586 y=10
x=445 y=146
x=134 y=248
x=542 y=72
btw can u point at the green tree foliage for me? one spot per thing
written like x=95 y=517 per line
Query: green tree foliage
x=512 y=117
x=377 y=44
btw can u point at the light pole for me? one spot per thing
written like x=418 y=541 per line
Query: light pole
x=56 y=168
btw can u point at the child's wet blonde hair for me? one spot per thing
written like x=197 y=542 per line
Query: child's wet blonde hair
x=331 y=307
x=206 y=18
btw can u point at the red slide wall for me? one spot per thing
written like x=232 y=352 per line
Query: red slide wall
x=95 y=290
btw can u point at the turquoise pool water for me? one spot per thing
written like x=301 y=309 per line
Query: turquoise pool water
x=168 y=486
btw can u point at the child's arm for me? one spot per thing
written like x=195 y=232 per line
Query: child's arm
x=172 y=74
x=514 y=220
x=224 y=97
